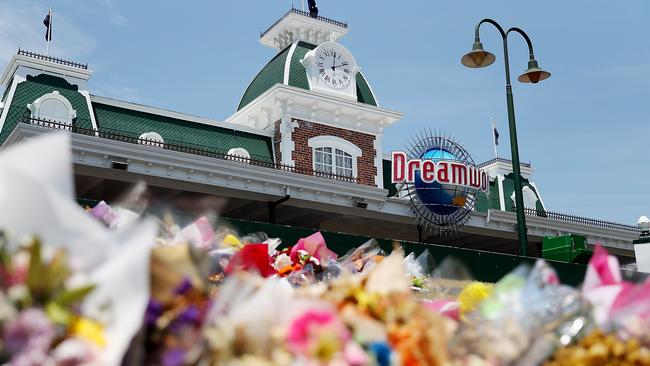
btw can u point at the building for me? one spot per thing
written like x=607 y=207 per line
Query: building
x=303 y=148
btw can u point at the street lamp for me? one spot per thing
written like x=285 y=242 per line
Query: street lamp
x=478 y=57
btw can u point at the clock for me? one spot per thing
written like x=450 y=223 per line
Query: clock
x=333 y=66
x=331 y=69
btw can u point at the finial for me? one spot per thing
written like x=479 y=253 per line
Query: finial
x=644 y=226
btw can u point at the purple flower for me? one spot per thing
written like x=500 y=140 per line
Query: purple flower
x=190 y=315
x=30 y=332
x=173 y=357
x=185 y=286
x=153 y=312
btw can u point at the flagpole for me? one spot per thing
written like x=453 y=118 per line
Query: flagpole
x=494 y=141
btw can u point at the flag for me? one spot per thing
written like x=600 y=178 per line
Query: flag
x=48 y=24
x=313 y=9
x=496 y=135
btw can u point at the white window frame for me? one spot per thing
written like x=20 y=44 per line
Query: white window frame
x=151 y=139
x=35 y=107
x=335 y=143
x=529 y=196
x=239 y=154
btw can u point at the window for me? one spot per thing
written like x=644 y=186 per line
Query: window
x=151 y=139
x=339 y=164
x=530 y=198
x=239 y=154
x=334 y=155
x=343 y=163
x=53 y=107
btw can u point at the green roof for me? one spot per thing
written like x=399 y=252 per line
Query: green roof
x=485 y=203
x=36 y=86
x=176 y=131
x=273 y=73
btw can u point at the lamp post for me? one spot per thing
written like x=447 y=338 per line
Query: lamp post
x=534 y=74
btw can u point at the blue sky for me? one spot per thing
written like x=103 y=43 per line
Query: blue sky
x=586 y=129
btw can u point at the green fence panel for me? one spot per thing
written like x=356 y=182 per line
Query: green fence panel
x=485 y=266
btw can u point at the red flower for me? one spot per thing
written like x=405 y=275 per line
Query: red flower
x=252 y=257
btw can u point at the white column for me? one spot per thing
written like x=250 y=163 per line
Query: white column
x=287 y=145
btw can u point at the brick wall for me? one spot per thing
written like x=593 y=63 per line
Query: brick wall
x=302 y=154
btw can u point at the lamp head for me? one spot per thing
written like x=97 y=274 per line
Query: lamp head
x=534 y=74
x=478 y=57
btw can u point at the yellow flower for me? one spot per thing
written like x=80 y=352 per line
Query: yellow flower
x=231 y=241
x=472 y=295
x=89 y=330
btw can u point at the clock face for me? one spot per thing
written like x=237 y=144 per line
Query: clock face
x=333 y=67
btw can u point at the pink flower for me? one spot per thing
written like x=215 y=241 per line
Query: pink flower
x=315 y=246
x=355 y=355
x=76 y=352
x=603 y=270
x=104 y=213
x=448 y=308
x=317 y=333
x=31 y=332
x=199 y=233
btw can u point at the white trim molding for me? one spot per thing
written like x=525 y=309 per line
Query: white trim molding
x=538 y=194
x=502 y=200
x=283 y=100
x=35 y=107
x=295 y=27
x=3 y=117
x=91 y=111
x=287 y=146
x=38 y=66
x=379 y=163
x=336 y=143
x=287 y=64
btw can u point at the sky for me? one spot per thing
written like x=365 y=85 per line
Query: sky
x=586 y=130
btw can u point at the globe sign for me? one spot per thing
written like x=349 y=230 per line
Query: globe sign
x=440 y=207
x=441 y=199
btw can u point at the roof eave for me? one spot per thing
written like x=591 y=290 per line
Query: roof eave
x=281 y=100
x=43 y=65
x=175 y=115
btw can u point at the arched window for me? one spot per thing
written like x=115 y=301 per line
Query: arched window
x=239 y=154
x=530 y=198
x=53 y=107
x=334 y=155
x=151 y=139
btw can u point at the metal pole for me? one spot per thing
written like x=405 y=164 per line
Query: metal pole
x=516 y=169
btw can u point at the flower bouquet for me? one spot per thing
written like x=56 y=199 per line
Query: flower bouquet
x=41 y=321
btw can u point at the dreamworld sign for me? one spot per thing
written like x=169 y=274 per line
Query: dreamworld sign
x=456 y=173
x=440 y=179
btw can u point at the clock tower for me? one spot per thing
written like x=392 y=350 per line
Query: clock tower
x=314 y=98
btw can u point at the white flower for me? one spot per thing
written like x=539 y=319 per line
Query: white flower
x=282 y=261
